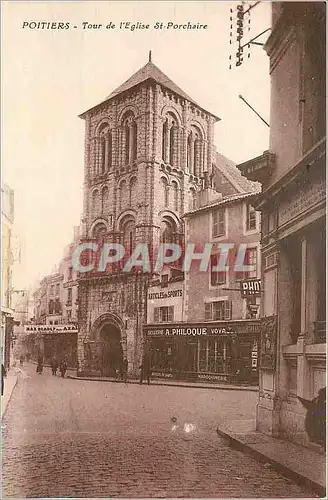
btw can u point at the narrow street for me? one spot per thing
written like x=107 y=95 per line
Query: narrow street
x=69 y=438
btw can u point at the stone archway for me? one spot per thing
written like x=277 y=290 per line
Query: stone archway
x=107 y=330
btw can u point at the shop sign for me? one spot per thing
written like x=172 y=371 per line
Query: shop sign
x=165 y=295
x=306 y=197
x=51 y=328
x=250 y=287
x=162 y=374
x=202 y=329
x=254 y=355
x=209 y=377
x=268 y=342
x=178 y=331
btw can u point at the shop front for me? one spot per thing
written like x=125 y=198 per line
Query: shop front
x=217 y=351
x=58 y=341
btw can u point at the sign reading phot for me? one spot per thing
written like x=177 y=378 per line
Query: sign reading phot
x=250 y=287
x=51 y=328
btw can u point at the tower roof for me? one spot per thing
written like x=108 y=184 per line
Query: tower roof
x=149 y=72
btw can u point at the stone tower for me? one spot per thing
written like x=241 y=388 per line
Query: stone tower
x=147 y=146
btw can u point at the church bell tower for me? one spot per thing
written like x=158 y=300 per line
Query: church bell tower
x=147 y=146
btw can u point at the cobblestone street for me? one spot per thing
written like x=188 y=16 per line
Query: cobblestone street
x=70 y=438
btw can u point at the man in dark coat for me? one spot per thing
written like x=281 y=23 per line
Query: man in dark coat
x=3 y=375
x=39 y=368
x=63 y=367
x=315 y=419
x=125 y=366
x=145 y=368
x=54 y=366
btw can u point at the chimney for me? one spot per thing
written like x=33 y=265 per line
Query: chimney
x=207 y=194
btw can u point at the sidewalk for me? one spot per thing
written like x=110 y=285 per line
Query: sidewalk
x=302 y=465
x=10 y=382
x=173 y=383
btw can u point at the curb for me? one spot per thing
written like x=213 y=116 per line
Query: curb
x=8 y=400
x=190 y=386
x=296 y=477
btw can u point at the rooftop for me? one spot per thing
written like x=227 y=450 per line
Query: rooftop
x=230 y=170
x=220 y=202
x=149 y=72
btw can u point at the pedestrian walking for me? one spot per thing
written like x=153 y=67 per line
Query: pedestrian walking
x=54 y=366
x=63 y=368
x=3 y=375
x=145 y=372
x=21 y=360
x=39 y=368
x=125 y=366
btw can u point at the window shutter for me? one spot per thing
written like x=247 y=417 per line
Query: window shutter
x=214 y=262
x=156 y=314
x=221 y=278
x=220 y=275
x=208 y=311
x=255 y=262
x=170 y=313
x=228 y=309
x=215 y=224
x=221 y=223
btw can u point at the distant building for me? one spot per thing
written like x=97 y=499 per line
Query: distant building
x=56 y=305
x=293 y=206
x=23 y=313
x=7 y=318
x=69 y=283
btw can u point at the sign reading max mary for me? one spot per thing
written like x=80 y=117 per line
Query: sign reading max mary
x=51 y=328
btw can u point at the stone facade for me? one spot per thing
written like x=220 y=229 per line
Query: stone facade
x=293 y=207
x=7 y=317
x=146 y=148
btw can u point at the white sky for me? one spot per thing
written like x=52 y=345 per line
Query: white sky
x=51 y=76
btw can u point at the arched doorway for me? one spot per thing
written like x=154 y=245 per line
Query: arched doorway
x=106 y=336
x=111 y=349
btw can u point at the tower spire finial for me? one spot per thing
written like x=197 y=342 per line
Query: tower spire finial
x=149 y=56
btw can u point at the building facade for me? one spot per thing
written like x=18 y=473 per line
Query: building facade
x=146 y=148
x=199 y=325
x=57 y=335
x=7 y=317
x=293 y=206
x=23 y=305
x=70 y=283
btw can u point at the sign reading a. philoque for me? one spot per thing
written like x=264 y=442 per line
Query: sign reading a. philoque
x=250 y=287
x=188 y=331
x=51 y=328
